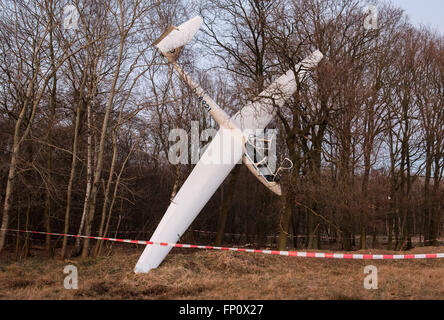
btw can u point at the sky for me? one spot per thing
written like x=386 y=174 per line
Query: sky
x=427 y=12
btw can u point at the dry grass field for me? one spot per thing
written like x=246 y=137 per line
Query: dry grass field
x=197 y=274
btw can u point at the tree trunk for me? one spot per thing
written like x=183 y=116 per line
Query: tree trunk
x=296 y=218
x=363 y=240
x=437 y=206
x=99 y=164
x=28 y=211
x=390 y=230
x=17 y=240
x=285 y=222
x=427 y=200
x=226 y=205
x=72 y=173
x=113 y=200
x=9 y=188
x=86 y=202
x=107 y=191
x=47 y=210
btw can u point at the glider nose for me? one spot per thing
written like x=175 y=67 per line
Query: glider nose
x=276 y=188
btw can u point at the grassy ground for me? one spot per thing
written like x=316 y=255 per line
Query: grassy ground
x=197 y=274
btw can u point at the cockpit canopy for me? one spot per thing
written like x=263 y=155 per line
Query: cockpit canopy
x=257 y=152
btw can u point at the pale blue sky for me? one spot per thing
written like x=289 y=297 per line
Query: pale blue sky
x=427 y=12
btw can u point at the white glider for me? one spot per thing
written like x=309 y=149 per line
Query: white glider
x=231 y=143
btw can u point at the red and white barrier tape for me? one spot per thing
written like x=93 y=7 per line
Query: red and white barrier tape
x=325 y=255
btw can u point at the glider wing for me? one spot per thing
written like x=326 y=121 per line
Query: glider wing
x=258 y=113
x=176 y=37
x=206 y=177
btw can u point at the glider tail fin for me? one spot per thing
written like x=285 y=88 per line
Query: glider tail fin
x=170 y=43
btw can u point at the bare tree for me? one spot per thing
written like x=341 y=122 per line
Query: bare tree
x=29 y=28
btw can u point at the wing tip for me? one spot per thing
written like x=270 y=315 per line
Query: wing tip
x=315 y=58
x=318 y=55
x=183 y=34
x=164 y=35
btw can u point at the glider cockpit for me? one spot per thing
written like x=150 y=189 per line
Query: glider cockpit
x=257 y=158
